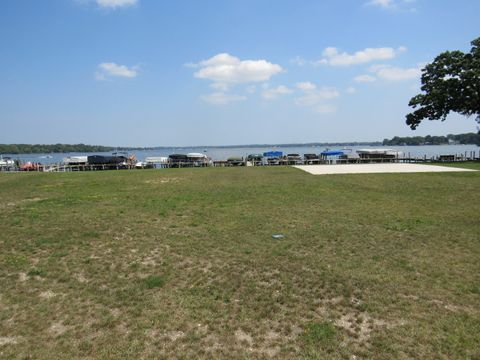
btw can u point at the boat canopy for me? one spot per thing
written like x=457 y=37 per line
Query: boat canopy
x=196 y=155
x=375 y=151
x=235 y=158
x=332 y=153
x=380 y=151
x=177 y=156
x=273 y=154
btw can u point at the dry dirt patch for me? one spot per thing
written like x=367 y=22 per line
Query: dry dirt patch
x=47 y=294
x=57 y=329
x=243 y=337
x=7 y=340
x=162 y=181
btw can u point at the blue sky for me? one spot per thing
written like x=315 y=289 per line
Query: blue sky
x=212 y=72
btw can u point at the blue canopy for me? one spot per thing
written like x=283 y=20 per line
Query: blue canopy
x=332 y=153
x=273 y=154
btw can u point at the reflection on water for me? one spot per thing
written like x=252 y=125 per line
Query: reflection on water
x=224 y=153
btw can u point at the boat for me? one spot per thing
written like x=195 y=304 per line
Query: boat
x=311 y=159
x=144 y=165
x=255 y=157
x=273 y=157
x=156 y=160
x=106 y=160
x=254 y=160
x=294 y=159
x=235 y=161
x=6 y=162
x=29 y=166
x=177 y=160
x=198 y=159
x=75 y=160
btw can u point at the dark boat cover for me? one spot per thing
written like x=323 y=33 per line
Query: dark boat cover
x=105 y=160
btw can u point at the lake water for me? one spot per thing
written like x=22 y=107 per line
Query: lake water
x=224 y=153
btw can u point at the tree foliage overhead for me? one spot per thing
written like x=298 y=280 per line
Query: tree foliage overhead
x=450 y=83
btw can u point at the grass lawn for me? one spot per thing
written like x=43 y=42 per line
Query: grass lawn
x=181 y=263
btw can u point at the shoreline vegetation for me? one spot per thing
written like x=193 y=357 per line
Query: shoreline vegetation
x=462 y=139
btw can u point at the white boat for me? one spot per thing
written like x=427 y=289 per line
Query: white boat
x=198 y=159
x=75 y=160
x=156 y=160
x=6 y=162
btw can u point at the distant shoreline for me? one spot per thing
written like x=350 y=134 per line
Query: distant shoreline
x=460 y=139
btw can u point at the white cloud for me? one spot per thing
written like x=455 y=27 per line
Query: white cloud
x=111 y=69
x=116 y=3
x=252 y=89
x=316 y=96
x=273 y=93
x=391 y=73
x=364 y=78
x=306 y=86
x=382 y=3
x=220 y=98
x=335 y=58
x=393 y=4
x=224 y=68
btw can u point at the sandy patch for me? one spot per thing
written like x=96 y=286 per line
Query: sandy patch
x=162 y=181
x=174 y=335
x=6 y=340
x=19 y=202
x=375 y=169
x=115 y=312
x=81 y=278
x=360 y=329
x=57 y=329
x=242 y=336
x=47 y=294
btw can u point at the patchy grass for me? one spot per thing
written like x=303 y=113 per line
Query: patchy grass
x=181 y=263
x=318 y=333
x=154 y=281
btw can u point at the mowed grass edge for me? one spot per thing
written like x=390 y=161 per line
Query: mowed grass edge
x=181 y=263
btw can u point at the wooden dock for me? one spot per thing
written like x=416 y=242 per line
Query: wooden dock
x=283 y=161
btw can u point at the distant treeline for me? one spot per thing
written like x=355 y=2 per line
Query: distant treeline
x=317 y=144
x=465 y=139
x=56 y=148
x=469 y=138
